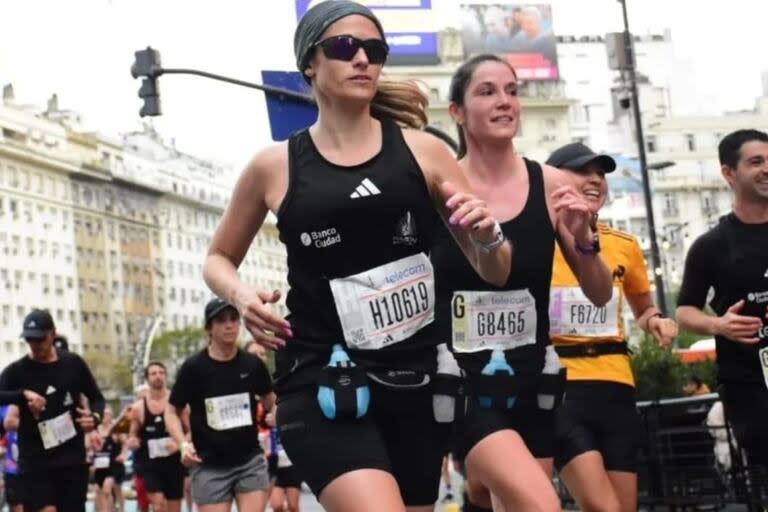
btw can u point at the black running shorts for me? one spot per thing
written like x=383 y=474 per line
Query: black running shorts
x=64 y=488
x=535 y=426
x=398 y=435
x=598 y=416
x=165 y=477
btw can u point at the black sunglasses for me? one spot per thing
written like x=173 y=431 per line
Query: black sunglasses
x=345 y=47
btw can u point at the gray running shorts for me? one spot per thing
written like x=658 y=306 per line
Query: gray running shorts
x=220 y=484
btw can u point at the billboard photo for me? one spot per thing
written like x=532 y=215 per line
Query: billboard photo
x=410 y=25
x=522 y=33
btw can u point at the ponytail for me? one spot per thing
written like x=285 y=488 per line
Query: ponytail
x=402 y=101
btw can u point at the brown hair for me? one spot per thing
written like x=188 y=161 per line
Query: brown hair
x=402 y=101
x=459 y=83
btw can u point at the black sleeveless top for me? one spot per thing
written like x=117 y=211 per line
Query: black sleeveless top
x=152 y=428
x=338 y=221
x=533 y=240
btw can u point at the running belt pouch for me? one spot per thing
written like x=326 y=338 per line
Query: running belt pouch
x=553 y=384
x=344 y=383
x=446 y=384
x=498 y=387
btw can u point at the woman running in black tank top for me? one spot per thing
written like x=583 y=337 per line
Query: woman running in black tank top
x=500 y=334
x=355 y=196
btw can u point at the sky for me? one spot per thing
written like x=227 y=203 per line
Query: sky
x=82 y=50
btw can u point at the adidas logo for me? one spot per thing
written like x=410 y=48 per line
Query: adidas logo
x=766 y=273
x=68 y=400
x=364 y=189
x=32 y=324
x=50 y=390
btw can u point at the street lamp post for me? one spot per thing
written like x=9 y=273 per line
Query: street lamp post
x=661 y=298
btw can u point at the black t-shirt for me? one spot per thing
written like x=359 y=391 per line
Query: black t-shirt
x=63 y=383
x=732 y=259
x=221 y=398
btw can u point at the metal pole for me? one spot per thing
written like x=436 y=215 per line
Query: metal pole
x=661 y=298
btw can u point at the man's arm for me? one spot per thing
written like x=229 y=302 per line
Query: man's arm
x=91 y=390
x=11 y=420
x=137 y=411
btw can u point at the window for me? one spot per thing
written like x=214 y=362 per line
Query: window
x=670 y=204
x=690 y=141
x=650 y=142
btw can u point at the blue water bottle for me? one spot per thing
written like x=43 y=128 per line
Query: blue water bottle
x=326 y=393
x=496 y=366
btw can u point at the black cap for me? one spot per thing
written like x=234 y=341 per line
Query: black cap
x=576 y=156
x=37 y=325
x=214 y=307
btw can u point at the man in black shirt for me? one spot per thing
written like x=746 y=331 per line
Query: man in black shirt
x=54 y=474
x=222 y=384
x=732 y=259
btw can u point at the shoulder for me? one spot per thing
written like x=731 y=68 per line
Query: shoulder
x=268 y=161
x=712 y=239
x=72 y=359
x=192 y=362
x=616 y=237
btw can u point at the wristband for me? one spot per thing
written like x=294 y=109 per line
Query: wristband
x=498 y=239
x=592 y=249
x=186 y=445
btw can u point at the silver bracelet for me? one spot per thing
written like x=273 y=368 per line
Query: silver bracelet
x=489 y=247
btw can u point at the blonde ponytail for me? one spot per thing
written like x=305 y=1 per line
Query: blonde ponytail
x=402 y=101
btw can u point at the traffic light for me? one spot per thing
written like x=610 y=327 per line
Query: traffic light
x=147 y=64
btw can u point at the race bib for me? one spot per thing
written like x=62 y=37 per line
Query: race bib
x=763 y=353
x=282 y=459
x=57 y=431
x=571 y=313
x=101 y=461
x=387 y=304
x=493 y=320
x=227 y=412
x=158 y=447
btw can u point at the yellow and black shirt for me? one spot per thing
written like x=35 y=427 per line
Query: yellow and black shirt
x=574 y=319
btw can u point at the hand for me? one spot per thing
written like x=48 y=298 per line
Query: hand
x=261 y=322
x=35 y=402
x=737 y=327
x=270 y=419
x=133 y=443
x=189 y=455
x=574 y=214
x=469 y=214
x=120 y=459
x=171 y=446
x=663 y=330
x=86 y=420
x=95 y=441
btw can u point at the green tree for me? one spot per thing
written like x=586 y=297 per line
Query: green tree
x=659 y=373
x=112 y=374
x=177 y=345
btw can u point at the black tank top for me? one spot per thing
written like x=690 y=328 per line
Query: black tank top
x=338 y=221
x=111 y=449
x=533 y=240
x=152 y=428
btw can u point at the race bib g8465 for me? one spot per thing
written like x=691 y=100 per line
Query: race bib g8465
x=57 y=431
x=229 y=411
x=571 y=313
x=493 y=320
x=101 y=461
x=387 y=304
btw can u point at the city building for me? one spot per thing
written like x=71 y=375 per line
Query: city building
x=108 y=233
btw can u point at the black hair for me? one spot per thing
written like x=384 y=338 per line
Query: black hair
x=154 y=363
x=459 y=83
x=729 y=149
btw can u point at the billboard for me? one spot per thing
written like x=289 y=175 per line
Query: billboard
x=522 y=33
x=411 y=29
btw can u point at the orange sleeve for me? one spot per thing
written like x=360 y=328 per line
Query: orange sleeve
x=636 y=278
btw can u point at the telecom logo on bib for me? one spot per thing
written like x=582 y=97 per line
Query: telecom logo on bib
x=406 y=231
x=321 y=239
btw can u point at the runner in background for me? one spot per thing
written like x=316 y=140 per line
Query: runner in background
x=597 y=427
x=10 y=418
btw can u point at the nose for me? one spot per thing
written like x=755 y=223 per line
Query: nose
x=361 y=58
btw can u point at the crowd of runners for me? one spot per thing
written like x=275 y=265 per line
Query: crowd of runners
x=466 y=304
